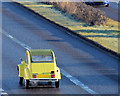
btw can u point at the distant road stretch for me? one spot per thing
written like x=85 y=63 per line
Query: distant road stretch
x=113 y=11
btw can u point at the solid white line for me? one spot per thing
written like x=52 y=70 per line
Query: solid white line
x=71 y=78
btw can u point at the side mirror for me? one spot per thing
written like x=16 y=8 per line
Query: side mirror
x=21 y=59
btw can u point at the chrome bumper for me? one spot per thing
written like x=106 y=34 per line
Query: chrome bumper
x=43 y=79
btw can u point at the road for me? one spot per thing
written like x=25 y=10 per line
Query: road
x=113 y=11
x=85 y=63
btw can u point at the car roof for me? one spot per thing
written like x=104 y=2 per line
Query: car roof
x=40 y=52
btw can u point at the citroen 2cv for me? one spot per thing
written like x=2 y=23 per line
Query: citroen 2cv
x=40 y=65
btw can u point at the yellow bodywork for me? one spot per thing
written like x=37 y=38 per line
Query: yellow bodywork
x=27 y=68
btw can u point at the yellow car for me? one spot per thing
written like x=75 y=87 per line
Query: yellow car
x=39 y=65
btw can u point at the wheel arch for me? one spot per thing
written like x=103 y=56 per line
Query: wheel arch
x=20 y=69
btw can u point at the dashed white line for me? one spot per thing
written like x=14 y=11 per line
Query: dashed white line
x=71 y=78
x=17 y=41
x=77 y=82
x=2 y=92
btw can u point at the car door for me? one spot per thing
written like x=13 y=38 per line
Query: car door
x=27 y=68
x=26 y=60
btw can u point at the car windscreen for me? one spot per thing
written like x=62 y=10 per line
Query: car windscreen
x=42 y=58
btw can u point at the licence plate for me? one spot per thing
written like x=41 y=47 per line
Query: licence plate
x=44 y=76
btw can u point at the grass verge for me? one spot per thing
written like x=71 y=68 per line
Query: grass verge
x=106 y=35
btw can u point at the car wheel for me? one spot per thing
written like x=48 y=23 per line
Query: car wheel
x=26 y=84
x=107 y=5
x=57 y=83
x=20 y=80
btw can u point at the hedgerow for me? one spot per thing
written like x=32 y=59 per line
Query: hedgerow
x=83 y=12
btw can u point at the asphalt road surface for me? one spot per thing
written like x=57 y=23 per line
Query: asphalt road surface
x=113 y=11
x=89 y=66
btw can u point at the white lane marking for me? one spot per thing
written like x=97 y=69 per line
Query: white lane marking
x=17 y=41
x=77 y=82
x=2 y=92
x=71 y=78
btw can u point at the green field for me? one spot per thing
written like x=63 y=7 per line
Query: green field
x=106 y=35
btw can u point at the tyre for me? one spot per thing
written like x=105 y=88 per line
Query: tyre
x=20 y=80
x=57 y=84
x=26 y=84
